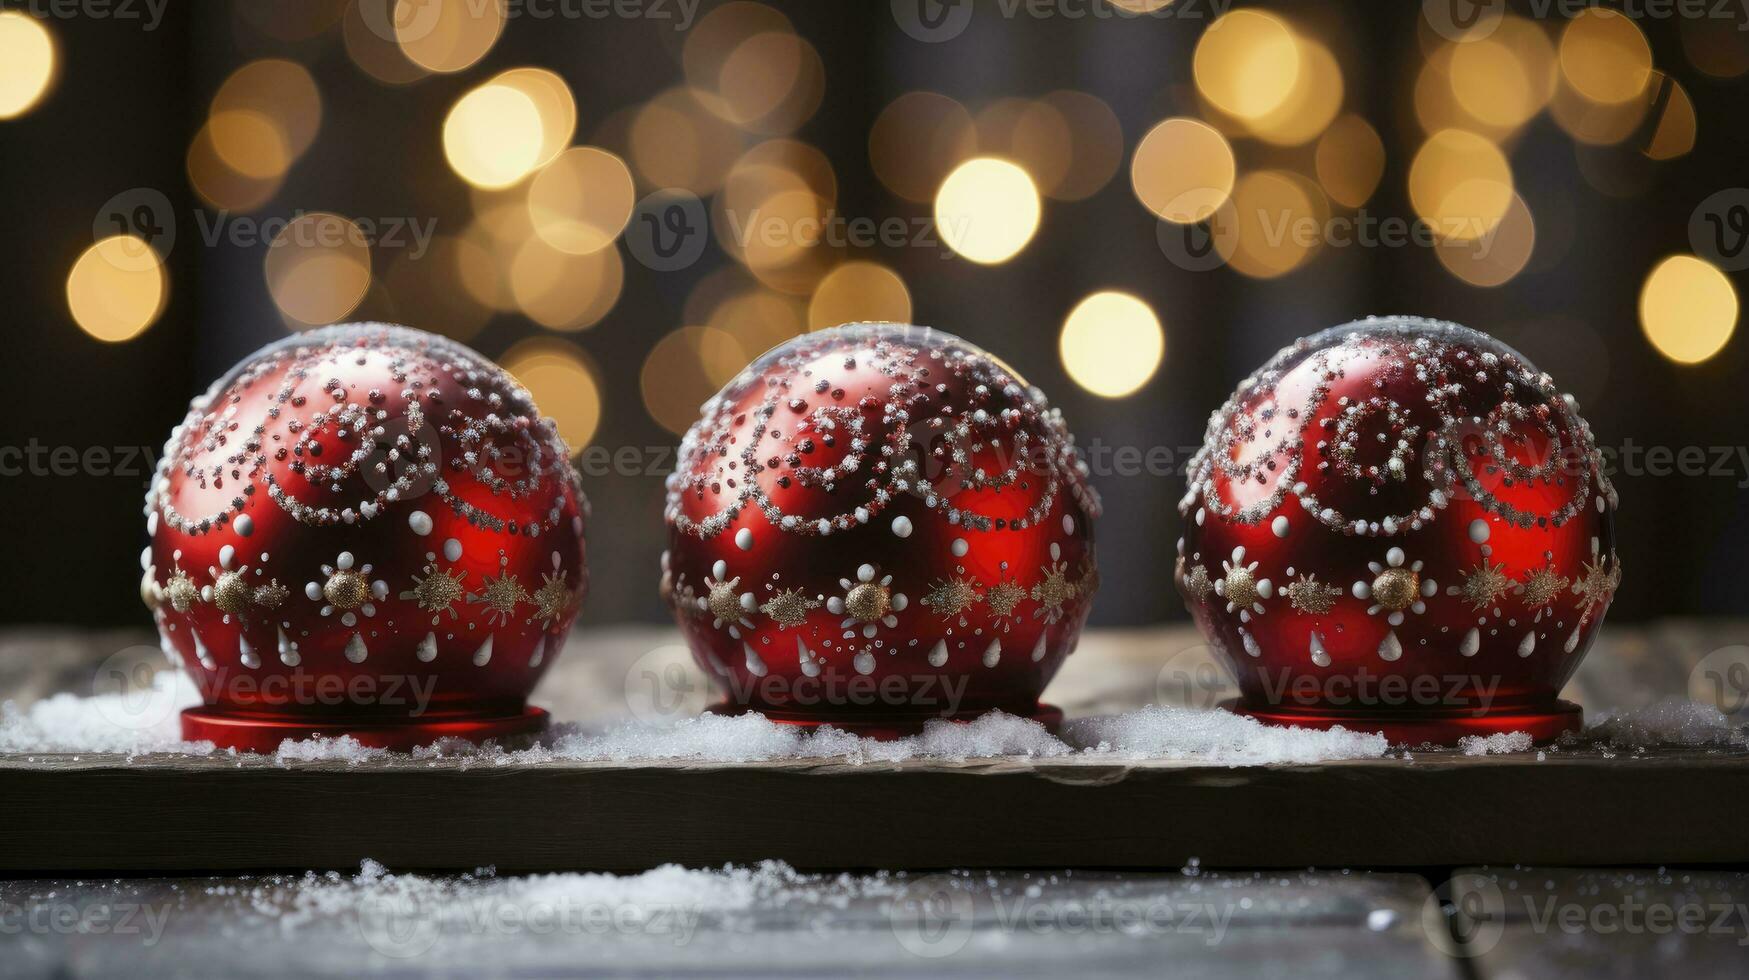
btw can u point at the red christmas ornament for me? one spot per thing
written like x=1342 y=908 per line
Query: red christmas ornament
x=1400 y=525
x=876 y=525
x=364 y=530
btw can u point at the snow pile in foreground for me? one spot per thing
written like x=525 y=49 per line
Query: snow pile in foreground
x=129 y=722
x=1497 y=744
x=1217 y=737
x=1670 y=722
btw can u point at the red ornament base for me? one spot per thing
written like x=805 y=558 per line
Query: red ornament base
x=886 y=728
x=1422 y=727
x=254 y=733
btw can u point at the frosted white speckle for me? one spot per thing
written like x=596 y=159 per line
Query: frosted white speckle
x=420 y=522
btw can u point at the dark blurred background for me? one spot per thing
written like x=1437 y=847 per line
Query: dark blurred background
x=623 y=202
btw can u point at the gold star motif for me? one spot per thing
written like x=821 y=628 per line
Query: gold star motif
x=180 y=591
x=1598 y=585
x=551 y=600
x=500 y=594
x=230 y=591
x=269 y=596
x=437 y=591
x=1308 y=595
x=1485 y=584
x=1197 y=584
x=1003 y=597
x=1052 y=591
x=789 y=607
x=951 y=597
x=722 y=601
x=1541 y=587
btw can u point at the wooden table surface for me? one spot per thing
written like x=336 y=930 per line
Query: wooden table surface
x=1127 y=825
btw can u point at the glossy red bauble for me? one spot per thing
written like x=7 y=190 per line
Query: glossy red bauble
x=1400 y=525
x=876 y=525
x=364 y=530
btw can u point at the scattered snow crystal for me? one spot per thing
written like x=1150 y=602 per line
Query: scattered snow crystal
x=129 y=722
x=1670 y=722
x=1218 y=737
x=1496 y=744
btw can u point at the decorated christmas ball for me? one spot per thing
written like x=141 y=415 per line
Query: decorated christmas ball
x=876 y=525
x=364 y=530
x=1400 y=525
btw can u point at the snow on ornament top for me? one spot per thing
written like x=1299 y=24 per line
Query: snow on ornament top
x=1399 y=495
x=364 y=502
x=880 y=501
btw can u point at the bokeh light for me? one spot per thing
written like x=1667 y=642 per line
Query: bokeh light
x=27 y=63
x=1605 y=56
x=117 y=288
x=581 y=201
x=1675 y=132
x=1183 y=170
x=675 y=142
x=1350 y=159
x=493 y=136
x=1111 y=344
x=1494 y=258
x=1095 y=144
x=264 y=117
x=1310 y=105
x=318 y=268
x=858 y=291
x=771 y=83
x=917 y=140
x=563 y=291
x=684 y=369
x=563 y=385
x=553 y=100
x=221 y=186
x=369 y=38
x=1247 y=63
x=1688 y=309
x=1275 y=225
x=1506 y=77
x=1460 y=184
x=447 y=35
x=987 y=210
x=1717 y=46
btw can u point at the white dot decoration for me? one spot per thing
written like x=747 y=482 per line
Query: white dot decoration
x=1279 y=526
x=744 y=539
x=452 y=550
x=960 y=547
x=902 y=526
x=1479 y=530
x=420 y=522
x=244 y=524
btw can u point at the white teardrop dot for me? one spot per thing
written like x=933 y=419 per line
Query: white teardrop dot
x=1527 y=646
x=938 y=653
x=288 y=651
x=805 y=657
x=1279 y=526
x=1472 y=642
x=1068 y=524
x=1320 y=656
x=744 y=539
x=427 y=651
x=247 y=653
x=244 y=524
x=539 y=654
x=1250 y=643
x=483 y=655
x=420 y=522
x=1390 y=648
x=1573 y=637
x=355 y=650
x=993 y=653
x=902 y=526
x=755 y=666
x=200 y=652
x=227 y=556
x=1038 y=649
x=864 y=662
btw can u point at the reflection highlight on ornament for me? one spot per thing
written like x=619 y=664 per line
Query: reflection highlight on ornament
x=117 y=288
x=1111 y=344
x=1688 y=309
